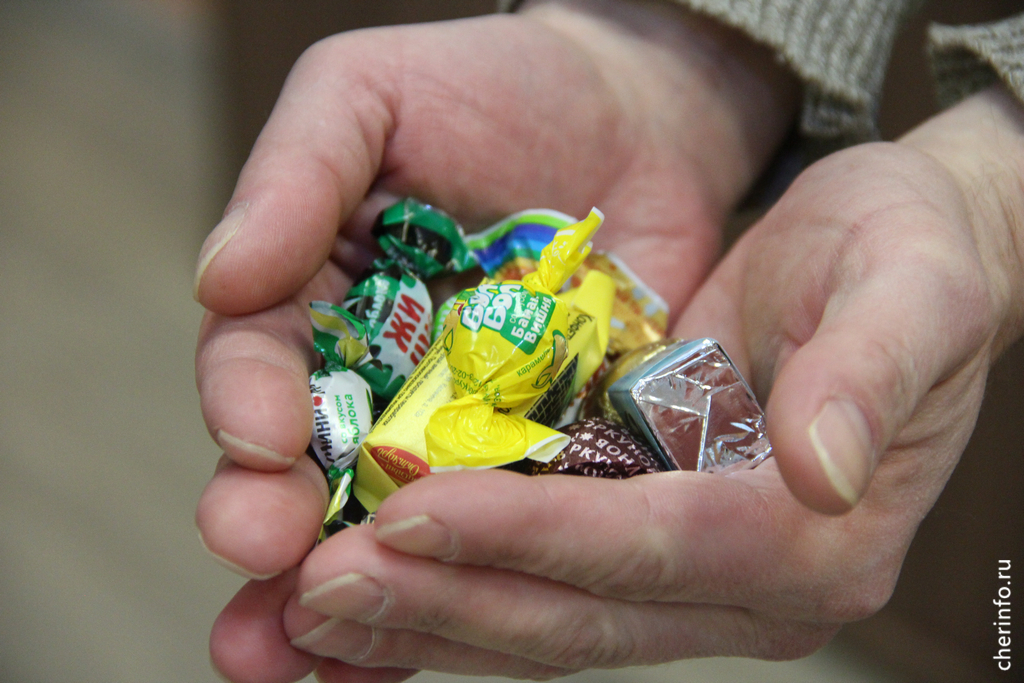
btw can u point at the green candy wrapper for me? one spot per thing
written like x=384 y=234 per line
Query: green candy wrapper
x=338 y=335
x=393 y=307
x=340 y=482
x=423 y=239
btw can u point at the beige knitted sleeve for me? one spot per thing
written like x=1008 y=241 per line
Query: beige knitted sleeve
x=969 y=58
x=838 y=48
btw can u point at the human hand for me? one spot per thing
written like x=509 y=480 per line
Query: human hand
x=868 y=306
x=659 y=117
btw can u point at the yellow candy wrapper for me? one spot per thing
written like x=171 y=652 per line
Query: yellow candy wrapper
x=395 y=452
x=505 y=344
x=511 y=248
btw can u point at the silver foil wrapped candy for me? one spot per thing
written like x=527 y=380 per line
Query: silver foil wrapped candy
x=693 y=407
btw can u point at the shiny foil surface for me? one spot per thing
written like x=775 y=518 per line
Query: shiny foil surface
x=694 y=408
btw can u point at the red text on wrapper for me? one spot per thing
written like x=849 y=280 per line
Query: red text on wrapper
x=400 y=465
x=402 y=331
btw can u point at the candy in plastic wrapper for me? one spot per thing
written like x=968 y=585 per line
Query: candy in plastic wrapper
x=395 y=309
x=511 y=248
x=342 y=414
x=505 y=345
x=423 y=239
x=639 y=314
x=395 y=452
x=442 y=316
x=598 y=448
x=693 y=408
x=342 y=404
x=340 y=484
x=573 y=411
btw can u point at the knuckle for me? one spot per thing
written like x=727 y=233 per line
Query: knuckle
x=322 y=51
x=643 y=576
x=895 y=368
x=831 y=588
x=777 y=639
x=953 y=272
x=649 y=571
x=594 y=642
x=433 y=618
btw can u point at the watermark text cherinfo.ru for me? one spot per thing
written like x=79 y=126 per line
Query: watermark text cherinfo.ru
x=1003 y=657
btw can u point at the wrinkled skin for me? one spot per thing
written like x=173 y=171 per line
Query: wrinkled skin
x=657 y=116
x=883 y=284
x=885 y=278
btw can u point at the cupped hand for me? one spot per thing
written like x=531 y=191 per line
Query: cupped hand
x=867 y=307
x=660 y=118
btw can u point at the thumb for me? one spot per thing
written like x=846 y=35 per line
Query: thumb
x=841 y=398
x=302 y=180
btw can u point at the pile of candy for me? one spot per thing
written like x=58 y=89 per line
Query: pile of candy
x=557 y=363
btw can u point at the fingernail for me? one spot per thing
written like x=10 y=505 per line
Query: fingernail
x=350 y=596
x=842 y=442
x=420 y=535
x=344 y=640
x=231 y=442
x=215 y=241
x=227 y=564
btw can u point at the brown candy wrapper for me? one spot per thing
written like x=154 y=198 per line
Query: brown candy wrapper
x=598 y=448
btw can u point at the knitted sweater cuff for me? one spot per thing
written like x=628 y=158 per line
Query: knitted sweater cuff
x=838 y=48
x=967 y=59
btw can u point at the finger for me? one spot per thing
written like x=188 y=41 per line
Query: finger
x=402 y=650
x=549 y=527
x=755 y=637
x=253 y=377
x=248 y=643
x=353 y=579
x=334 y=671
x=907 y=319
x=259 y=524
x=681 y=536
x=301 y=181
x=254 y=385
x=404 y=110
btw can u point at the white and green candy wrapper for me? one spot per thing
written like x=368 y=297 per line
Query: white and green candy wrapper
x=342 y=403
x=393 y=306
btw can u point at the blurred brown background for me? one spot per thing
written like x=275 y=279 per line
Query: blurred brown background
x=122 y=126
